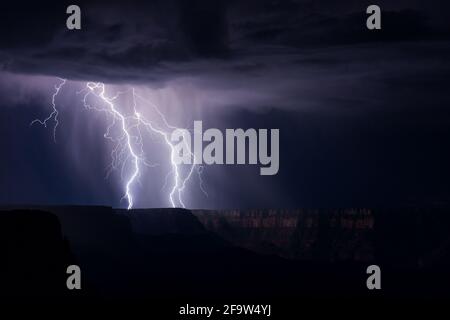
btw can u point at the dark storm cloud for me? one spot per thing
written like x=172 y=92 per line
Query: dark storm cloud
x=256 y=54
x=159 y=40
x=117 y=39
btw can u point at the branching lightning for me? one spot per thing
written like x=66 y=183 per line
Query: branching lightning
x=129 y=143
x=55 y=113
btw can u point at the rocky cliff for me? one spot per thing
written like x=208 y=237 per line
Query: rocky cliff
x=404 y=237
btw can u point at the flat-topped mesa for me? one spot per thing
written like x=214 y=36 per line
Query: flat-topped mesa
x=163 y=221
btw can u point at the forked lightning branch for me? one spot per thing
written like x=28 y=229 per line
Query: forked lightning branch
x=193 y=148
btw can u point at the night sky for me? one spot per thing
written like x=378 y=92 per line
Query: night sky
x=363 y=115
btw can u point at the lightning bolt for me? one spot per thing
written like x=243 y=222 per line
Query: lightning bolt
x=123 y=122
x=55 y=113
x=129 y=144
x=179 y=183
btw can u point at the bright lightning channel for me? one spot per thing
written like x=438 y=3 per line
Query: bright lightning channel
x=129 y=147
x=55 y=113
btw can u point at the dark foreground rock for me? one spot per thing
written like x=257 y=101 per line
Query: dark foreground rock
x=34 y=255
x=168 y=255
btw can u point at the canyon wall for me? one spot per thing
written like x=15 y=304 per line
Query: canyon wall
x=330 y=235
x=402 y=237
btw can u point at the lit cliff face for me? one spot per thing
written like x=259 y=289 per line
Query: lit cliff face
x=330 y=235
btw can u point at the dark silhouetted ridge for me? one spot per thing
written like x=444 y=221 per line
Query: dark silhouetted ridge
x=34 y=253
